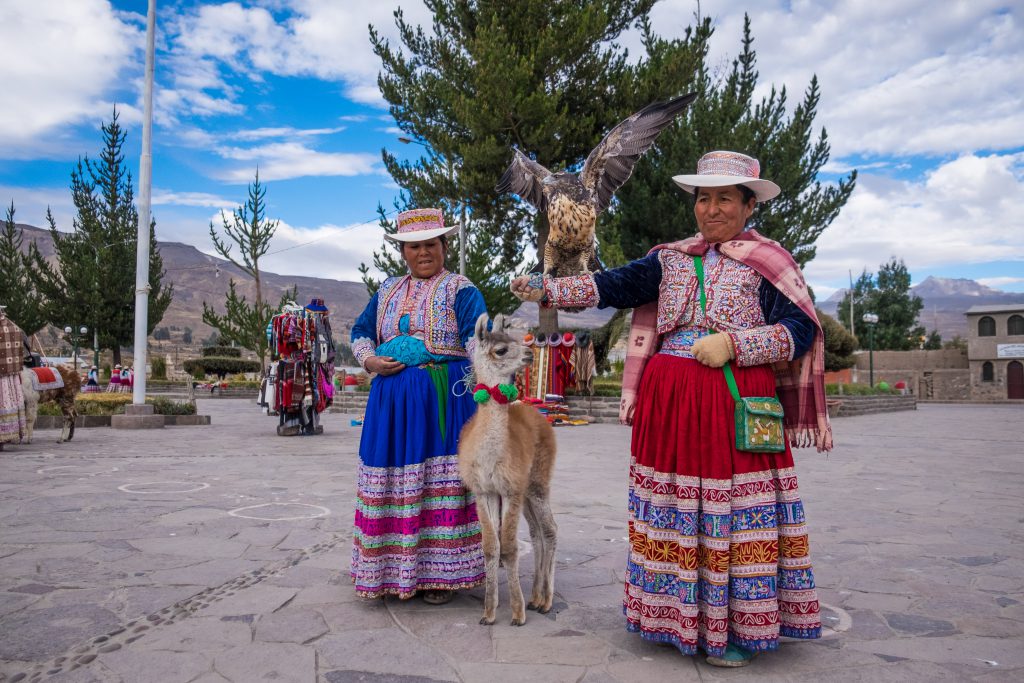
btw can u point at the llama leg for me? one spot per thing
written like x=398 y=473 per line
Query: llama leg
x=546 y=562
x=488 y=509
x=537 y=539
x=511 y=508
x=31 y=411
x=70 y=416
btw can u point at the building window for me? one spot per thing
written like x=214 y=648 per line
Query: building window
x=986 y=327
x=987 y=374
x=1015 y=325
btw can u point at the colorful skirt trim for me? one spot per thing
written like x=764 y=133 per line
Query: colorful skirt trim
x=416 y=526
x=718 y=541
x=13 y=424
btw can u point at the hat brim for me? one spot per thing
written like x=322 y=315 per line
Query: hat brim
x=763 y=189
x=421 y=235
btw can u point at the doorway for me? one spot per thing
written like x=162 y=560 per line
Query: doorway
x=1015 y=380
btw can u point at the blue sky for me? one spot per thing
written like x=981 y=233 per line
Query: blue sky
x=923 y=98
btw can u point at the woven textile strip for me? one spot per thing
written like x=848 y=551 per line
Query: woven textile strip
x=414 y=532
x=12 y=350
x=712 y=556
x=12 y=409
x=44 y=379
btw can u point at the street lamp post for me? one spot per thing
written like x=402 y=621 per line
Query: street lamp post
x=871 y=319
x=76 y=340
x=462 y=205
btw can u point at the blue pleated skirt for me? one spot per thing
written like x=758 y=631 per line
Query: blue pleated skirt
x=416 y=526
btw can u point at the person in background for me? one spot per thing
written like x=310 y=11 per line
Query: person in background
x=92 y=383
x=114 y=386
x=719 y=559
x=416 y=528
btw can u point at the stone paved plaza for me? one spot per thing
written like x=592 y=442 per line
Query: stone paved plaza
x=221 y=553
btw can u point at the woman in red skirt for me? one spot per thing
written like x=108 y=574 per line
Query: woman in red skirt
x=719 y=558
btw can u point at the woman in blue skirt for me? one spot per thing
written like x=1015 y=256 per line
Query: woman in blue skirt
x=416 y=528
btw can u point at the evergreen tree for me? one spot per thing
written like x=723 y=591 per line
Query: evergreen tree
x=933 y=342
x=94 y=281
x=651 y=209
x=888 y=296
x=546 y=76
x=25 y=305
x=243 y=323
x=839 y=344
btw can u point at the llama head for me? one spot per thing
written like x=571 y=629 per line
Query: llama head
x=497 y=356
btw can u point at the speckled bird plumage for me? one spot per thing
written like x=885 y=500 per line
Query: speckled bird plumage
x=573 y=201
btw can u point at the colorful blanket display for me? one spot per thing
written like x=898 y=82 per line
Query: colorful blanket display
x=302 y=353
x=560 y=362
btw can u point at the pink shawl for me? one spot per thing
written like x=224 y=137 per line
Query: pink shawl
x=800 y=383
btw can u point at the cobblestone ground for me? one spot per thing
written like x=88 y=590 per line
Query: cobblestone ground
x=202 y=554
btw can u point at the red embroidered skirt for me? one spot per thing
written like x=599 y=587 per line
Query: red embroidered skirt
x=718 y=543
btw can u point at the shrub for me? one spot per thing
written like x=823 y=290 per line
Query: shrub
x=219 y=365
x=222 y=352
x=166 y=406
x=159 y=367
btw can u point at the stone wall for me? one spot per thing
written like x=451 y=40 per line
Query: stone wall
x=993 y=390
x=940 y=359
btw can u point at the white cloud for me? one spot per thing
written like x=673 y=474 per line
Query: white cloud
x=282 y=132
x=171 y=198
x=326 y=251
x=964 y=212
x=1000 y=282
x=323 y=39
x=62 y=60
x=280 y=161
x=897 y=78
x=31 y=203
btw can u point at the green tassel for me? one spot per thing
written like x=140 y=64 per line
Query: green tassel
x=481 y=396
x=509 y=391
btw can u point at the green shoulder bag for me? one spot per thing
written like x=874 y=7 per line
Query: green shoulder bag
x=759 y=427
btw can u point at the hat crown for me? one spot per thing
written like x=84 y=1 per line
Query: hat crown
x=723 y=163
x=418 y=220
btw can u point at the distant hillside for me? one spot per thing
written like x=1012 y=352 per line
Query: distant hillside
x=945 y=301
x=198 y=277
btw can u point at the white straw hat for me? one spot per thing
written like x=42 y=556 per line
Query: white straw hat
x=719 y=169
x=420 y=225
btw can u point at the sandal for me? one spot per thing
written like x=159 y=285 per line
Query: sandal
x=732 y=657
x=438 y=597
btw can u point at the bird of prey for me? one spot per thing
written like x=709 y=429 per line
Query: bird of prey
x=574 y=200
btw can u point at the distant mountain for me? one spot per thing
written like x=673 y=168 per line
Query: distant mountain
x=199 y=277
x=945 y=302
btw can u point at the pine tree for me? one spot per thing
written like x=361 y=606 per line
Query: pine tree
x=651 y=209
x=249 y=230
x=546 y=76
x=94 y=281
x=25 y=305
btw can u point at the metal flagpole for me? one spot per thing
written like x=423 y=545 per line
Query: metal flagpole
x=142 y=247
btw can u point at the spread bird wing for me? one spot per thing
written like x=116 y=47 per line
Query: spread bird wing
x=611 y=162
x=525 y=177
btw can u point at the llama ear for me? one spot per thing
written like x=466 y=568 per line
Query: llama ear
x=481 y=327
x=499 y=324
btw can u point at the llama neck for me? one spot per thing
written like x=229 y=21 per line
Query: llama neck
x=495 y=423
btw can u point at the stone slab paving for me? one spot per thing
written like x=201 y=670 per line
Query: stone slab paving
x=220 y=554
